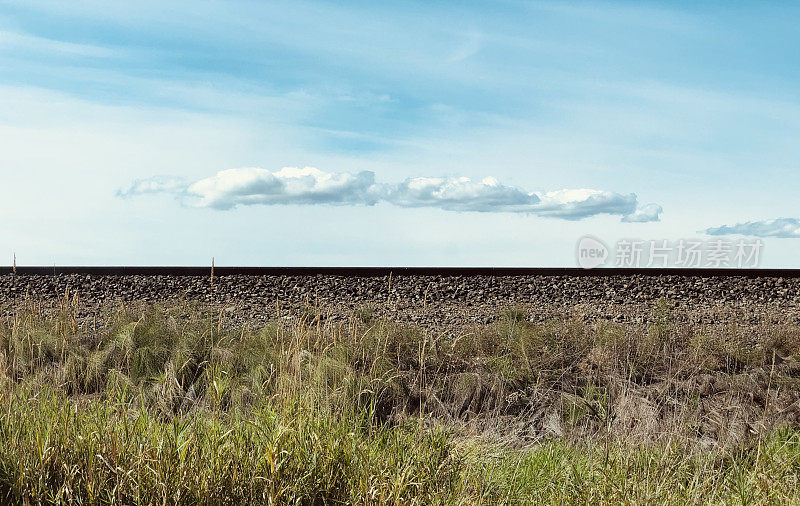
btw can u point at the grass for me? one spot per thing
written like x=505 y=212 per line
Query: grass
x=172 y=405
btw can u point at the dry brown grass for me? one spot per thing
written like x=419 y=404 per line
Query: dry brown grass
x=539 y=396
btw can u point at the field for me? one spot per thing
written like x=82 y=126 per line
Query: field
x=176 y=403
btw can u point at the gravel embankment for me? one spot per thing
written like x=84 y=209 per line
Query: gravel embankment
x=434 y=300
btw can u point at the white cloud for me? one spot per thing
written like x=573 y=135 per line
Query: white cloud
x=489 y=195
x=649 y=212
x=308 y=186
x=461 y=194
x=155 y=184
x=780 y=227
x=580 y=203
x=290 y=185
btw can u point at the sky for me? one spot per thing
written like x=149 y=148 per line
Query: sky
x=394 y=133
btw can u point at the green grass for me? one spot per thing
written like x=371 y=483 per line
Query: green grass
x=170 y=405
x=55 y=451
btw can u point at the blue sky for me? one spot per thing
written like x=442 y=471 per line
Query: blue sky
x=440 y=133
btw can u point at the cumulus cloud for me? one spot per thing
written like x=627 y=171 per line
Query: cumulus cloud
x=780 y=227
x=580 y=203
x=290 y=185
x=489 y=195
x=642 y=214
x=155 y=184
x=461 y=194
x=307 y=186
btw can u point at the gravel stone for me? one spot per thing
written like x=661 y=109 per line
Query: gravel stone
x=433 y=300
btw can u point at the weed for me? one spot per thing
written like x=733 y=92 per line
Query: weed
x=163 y=405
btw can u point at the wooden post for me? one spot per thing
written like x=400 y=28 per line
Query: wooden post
x=15 y=264
x=212 y=271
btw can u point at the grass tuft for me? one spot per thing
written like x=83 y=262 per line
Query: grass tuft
x=165 y=405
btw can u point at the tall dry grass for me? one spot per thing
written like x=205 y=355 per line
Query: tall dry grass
x=171 y=405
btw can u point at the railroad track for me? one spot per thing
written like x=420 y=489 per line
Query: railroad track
x=371 y=272
x=436 y=296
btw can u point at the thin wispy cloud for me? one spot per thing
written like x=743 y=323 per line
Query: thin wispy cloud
x=310 y=186
x=781 y=227
x=28 y=43
x=151 y=185
x=471 y=45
